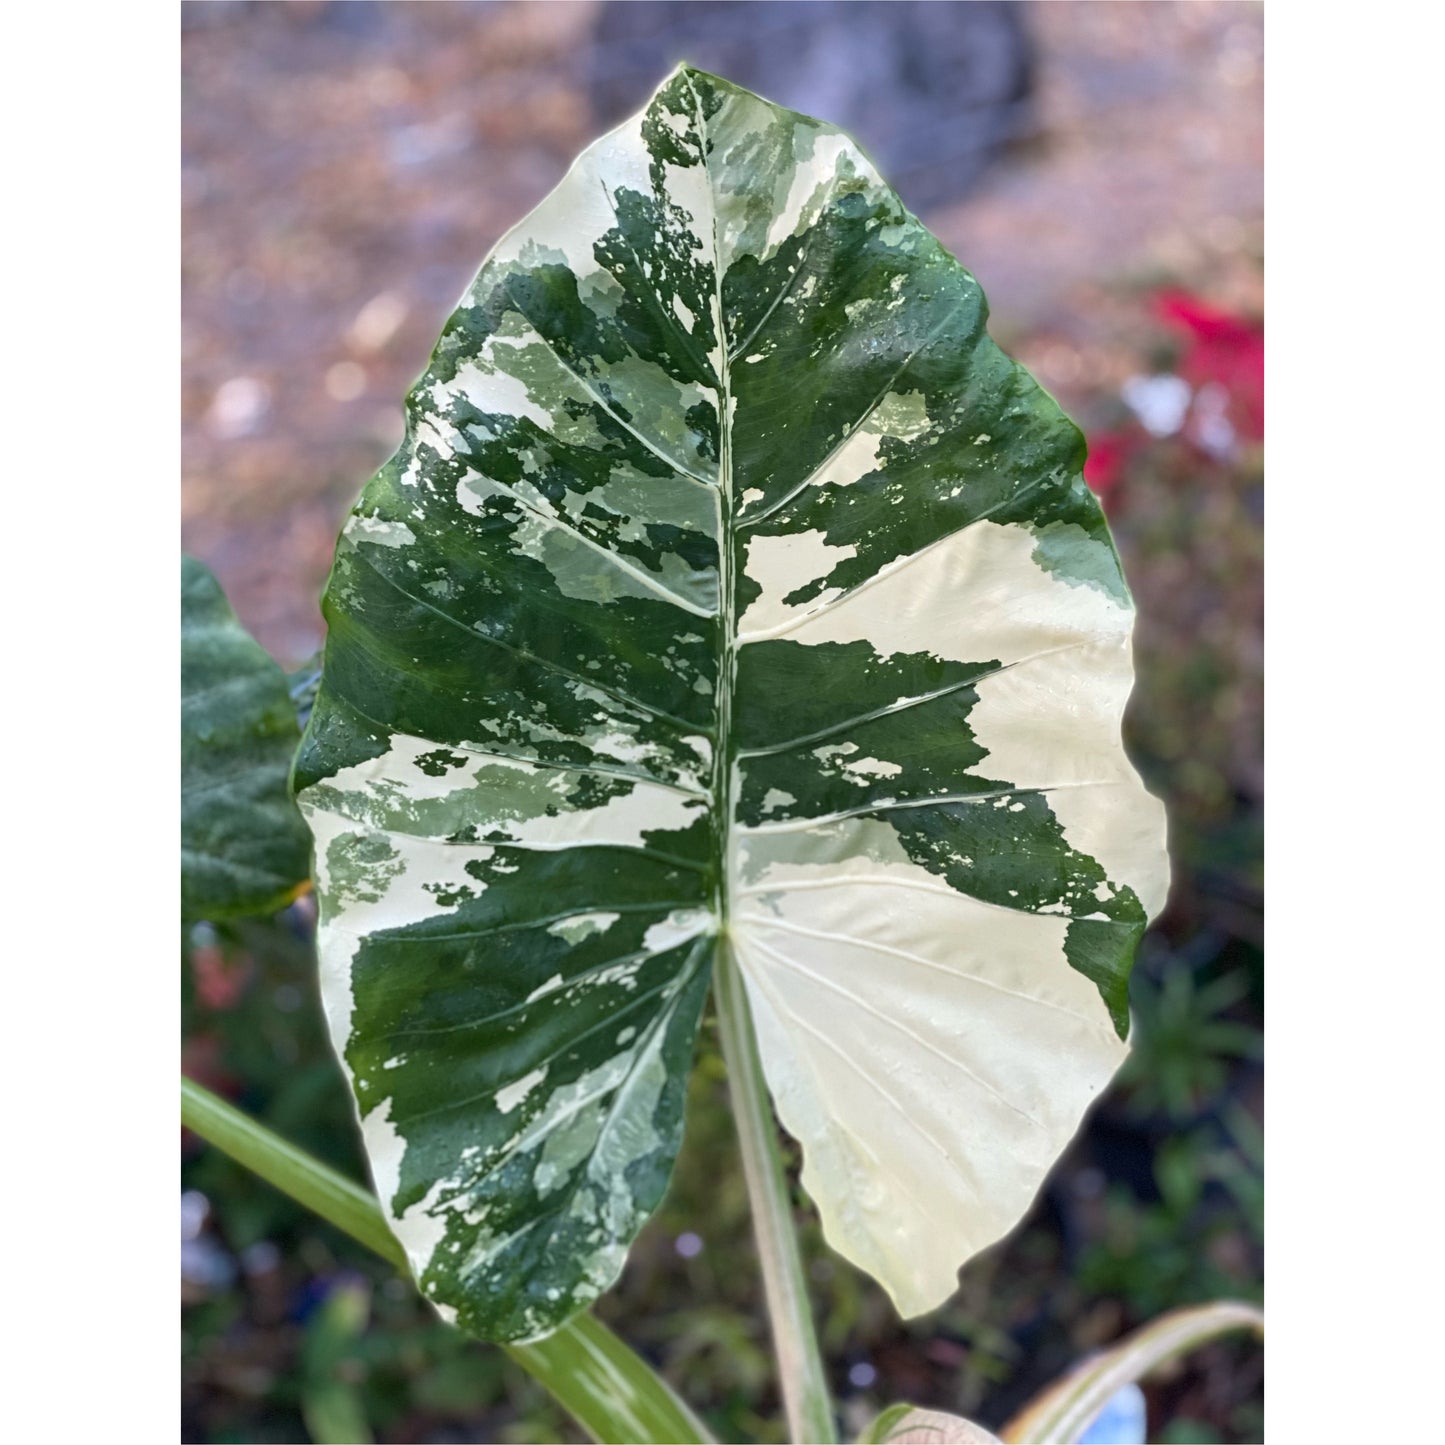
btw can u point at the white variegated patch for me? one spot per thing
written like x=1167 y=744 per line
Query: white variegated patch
x=932 y=1052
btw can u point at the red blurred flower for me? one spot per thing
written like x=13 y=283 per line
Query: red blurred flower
x=219 y=981
x=1109 y=453
x=1224 y=352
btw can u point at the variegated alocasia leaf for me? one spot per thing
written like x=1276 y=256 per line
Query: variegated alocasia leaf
x=244 y=848
x=730 y=588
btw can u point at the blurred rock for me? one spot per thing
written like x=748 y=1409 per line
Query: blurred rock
x=933 y=92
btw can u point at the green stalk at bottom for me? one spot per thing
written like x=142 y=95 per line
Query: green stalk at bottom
x=800 y=1365
x=610 y=1391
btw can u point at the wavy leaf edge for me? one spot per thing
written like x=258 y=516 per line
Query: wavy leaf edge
x=632 y=646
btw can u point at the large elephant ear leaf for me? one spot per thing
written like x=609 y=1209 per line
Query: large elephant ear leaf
x=244 y=848
x=730 y=590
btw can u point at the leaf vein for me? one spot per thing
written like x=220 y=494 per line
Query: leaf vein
x=788 y=926
x=897 y=1025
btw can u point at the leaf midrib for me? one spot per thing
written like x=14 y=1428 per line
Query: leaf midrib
x=723 y=760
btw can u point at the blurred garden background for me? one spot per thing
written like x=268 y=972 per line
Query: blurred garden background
x=1098 y=167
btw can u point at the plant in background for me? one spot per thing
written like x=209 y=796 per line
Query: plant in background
x=1187 y=1042
x=735 y=619
x=244 y=850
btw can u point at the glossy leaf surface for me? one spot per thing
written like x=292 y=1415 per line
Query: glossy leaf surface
x=729 y=580
x=244 y=848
